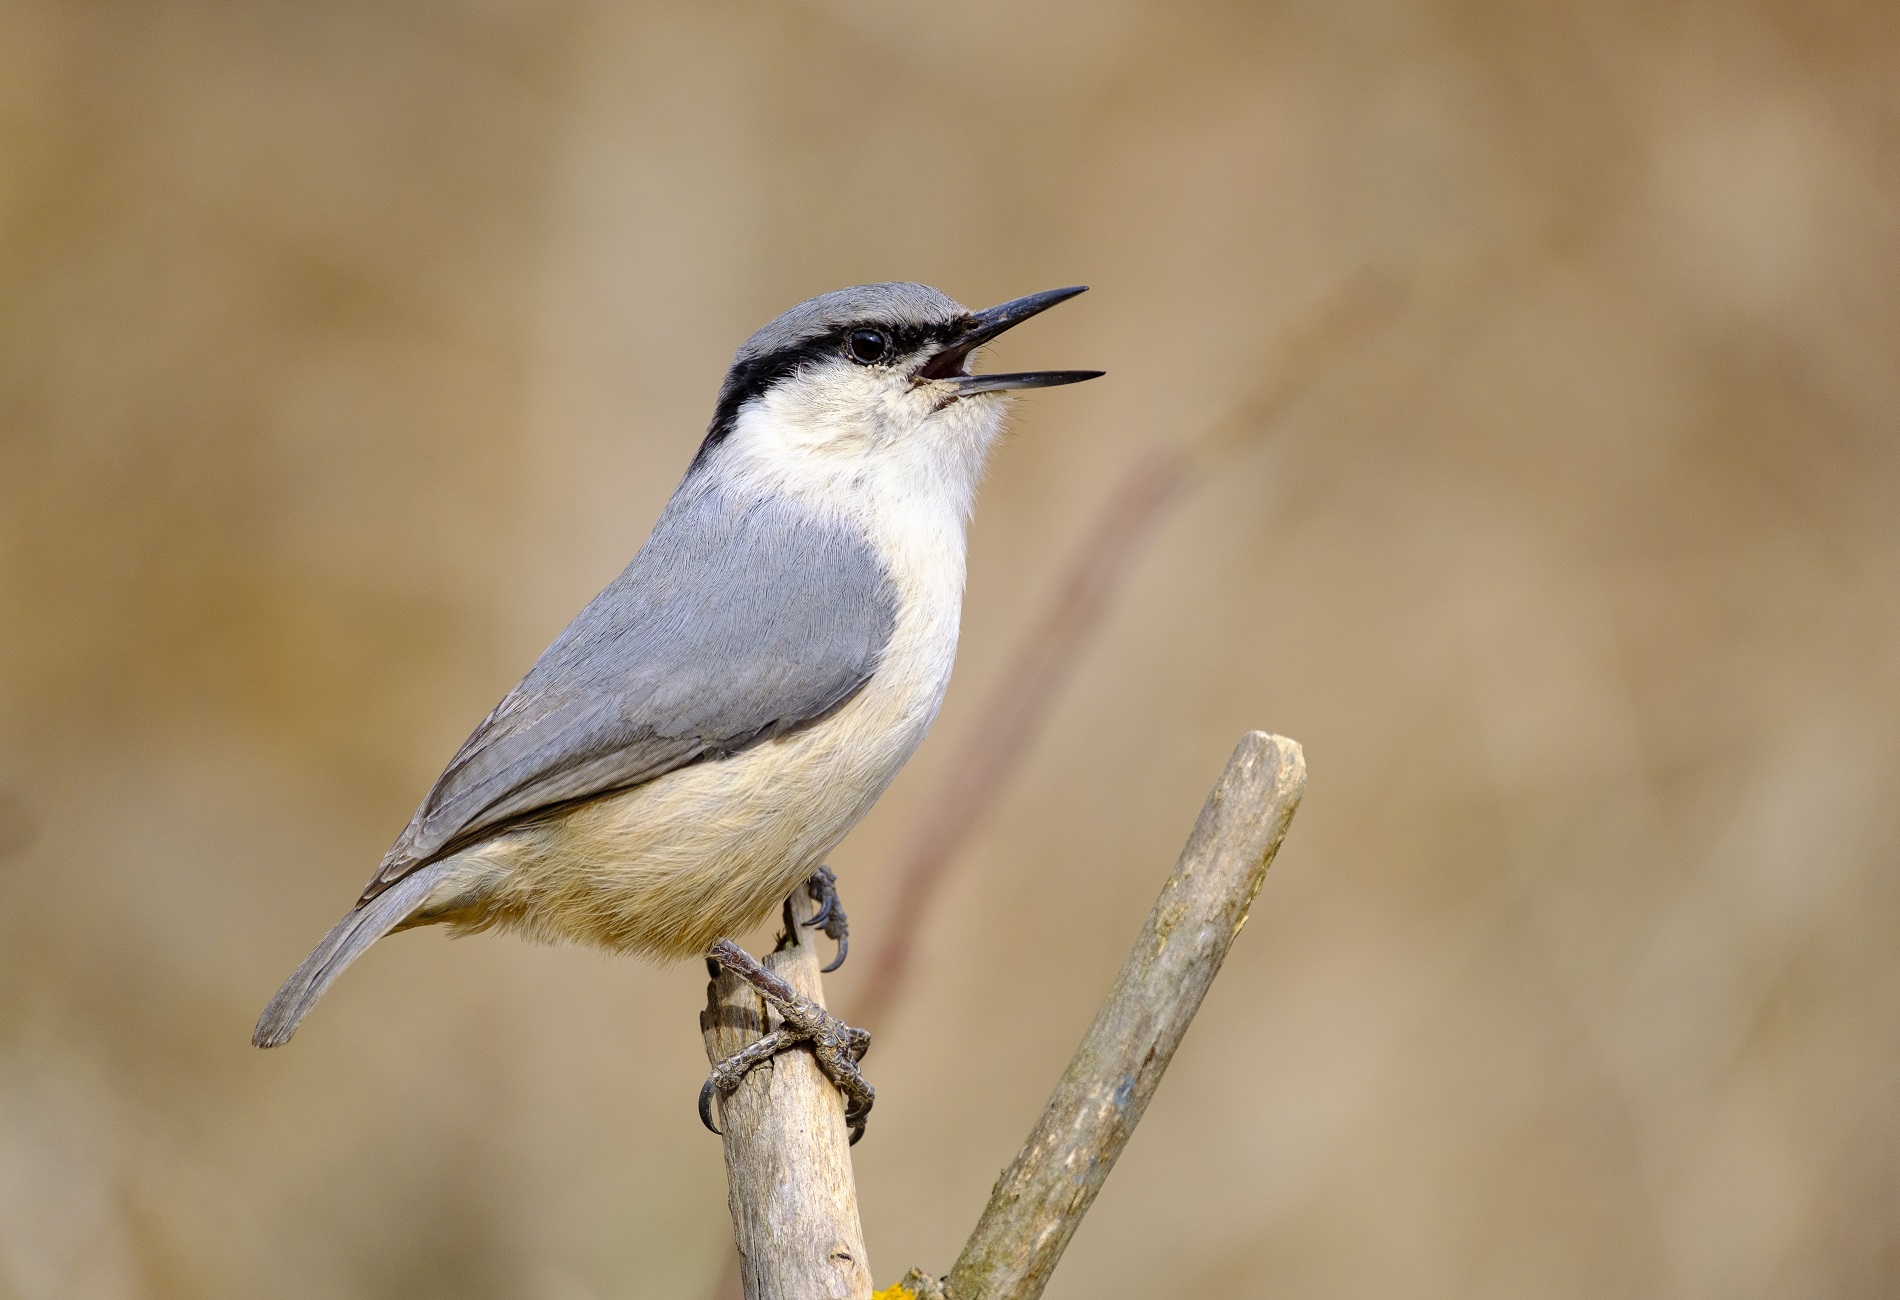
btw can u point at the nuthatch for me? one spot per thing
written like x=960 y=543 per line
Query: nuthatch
x=687 y=752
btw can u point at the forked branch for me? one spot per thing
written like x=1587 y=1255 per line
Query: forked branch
x=794 y=1205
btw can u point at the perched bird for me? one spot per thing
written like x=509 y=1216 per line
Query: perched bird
x=687 y=752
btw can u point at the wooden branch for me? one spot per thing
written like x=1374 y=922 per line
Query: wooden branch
x=788 y=1166
x=1041 y=1198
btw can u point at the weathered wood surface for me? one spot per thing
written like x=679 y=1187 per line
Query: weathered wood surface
x=1041 y=1198
x=788 y=1165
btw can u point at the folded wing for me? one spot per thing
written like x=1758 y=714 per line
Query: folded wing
x=736 y=622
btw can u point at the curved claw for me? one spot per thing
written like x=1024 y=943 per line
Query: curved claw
x=822 y=889
x=856 y=1119
x=705 y=1107
x=822 y=916
x=829 y=919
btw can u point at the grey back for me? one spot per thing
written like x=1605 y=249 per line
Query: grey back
x=738 y=620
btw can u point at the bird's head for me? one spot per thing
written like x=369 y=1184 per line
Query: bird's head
x=879 y=373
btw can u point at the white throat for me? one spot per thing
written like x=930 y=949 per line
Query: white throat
x=885 y=460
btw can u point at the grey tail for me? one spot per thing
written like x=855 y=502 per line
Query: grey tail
x=344 y=944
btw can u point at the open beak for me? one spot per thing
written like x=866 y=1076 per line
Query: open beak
x=986 y=325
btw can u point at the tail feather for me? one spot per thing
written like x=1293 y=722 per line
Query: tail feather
x=346 y=942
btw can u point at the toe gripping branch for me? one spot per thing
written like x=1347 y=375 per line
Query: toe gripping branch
x=838 y=1046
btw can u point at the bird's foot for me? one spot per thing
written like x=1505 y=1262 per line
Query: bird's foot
x=829 y=920
x=838 y=1046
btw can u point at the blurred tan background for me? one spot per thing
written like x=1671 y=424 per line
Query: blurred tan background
x=346 y=349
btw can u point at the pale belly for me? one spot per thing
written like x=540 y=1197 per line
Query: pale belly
x=707 y=851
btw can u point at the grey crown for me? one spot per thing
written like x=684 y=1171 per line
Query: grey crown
x=896 y=302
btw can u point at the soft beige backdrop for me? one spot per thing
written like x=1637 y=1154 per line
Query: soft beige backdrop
x=347 y=348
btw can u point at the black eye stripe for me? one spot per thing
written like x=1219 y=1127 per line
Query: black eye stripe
x=750 y=378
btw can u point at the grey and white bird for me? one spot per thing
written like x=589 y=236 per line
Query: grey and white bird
x=687 y=752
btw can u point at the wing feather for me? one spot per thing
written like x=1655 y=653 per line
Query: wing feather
x=737 y=621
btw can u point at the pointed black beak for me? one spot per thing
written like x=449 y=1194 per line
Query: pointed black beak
x=986 y=325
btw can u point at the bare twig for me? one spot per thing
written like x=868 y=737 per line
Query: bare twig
x=1041 y=1198
x=794 y=1205
x=788 y=1166
x=1013 y=715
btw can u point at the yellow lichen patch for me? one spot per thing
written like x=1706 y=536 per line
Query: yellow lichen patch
x=914 y=1285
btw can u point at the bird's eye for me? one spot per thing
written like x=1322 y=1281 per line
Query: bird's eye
x=868 y=347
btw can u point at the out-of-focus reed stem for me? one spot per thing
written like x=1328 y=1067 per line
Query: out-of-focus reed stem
x=1032 y=677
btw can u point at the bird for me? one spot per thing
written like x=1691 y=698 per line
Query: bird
x=695 y=743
